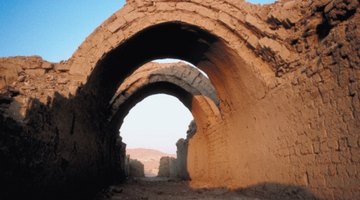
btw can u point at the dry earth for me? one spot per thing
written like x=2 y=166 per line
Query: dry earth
x=162 y=188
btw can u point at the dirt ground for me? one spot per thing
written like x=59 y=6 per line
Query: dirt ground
x=161 y=188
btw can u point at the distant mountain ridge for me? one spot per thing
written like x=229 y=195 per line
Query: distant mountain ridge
x=149 y=157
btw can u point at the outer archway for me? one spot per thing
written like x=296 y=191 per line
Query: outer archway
x=227 y=39
x=190 y=43
x=190 y=39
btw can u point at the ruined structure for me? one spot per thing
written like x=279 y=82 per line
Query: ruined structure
x=181 y=159
x=136 y=168
x=182 y=146
x=167 y=167
x=178 y=167
x=286 y=77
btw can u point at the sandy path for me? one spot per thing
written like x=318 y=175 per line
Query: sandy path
x=160 y=188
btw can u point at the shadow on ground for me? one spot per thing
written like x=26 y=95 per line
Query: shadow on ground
x=277 y=191
x=165 y=188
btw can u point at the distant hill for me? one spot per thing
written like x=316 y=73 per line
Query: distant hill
x=149 y=157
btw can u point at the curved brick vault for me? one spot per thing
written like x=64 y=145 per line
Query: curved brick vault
x=287 y=82
x=192 y=88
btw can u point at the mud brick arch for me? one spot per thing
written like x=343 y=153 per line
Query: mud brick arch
x=286 y=76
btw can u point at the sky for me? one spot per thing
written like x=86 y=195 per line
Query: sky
x=53 y=29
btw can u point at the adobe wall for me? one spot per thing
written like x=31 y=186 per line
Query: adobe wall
x=302 y=131
x=50 y=145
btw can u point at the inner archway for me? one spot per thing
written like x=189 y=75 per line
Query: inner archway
x=152 y=128
x=160 y=116
x=185 y=82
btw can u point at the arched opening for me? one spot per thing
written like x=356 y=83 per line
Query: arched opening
x=152 y=129
x=156 y=113
x=179 y=79
x=190 y=101
x=226 y=70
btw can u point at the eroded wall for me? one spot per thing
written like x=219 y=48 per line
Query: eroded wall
x=303 y=132
x=52 y=147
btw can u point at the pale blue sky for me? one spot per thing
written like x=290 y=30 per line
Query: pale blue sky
x=54 y=29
